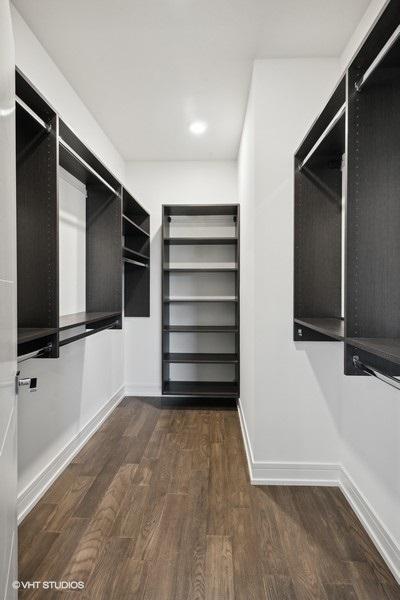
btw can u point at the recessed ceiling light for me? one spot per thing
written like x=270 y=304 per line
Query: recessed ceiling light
x=198 y=127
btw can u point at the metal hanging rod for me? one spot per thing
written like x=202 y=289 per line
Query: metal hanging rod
x=86 y=333
x=375 y=63
x=331 y=125
x=88 y=167
x=35 y=354
x=376 y=373
x=32 y=113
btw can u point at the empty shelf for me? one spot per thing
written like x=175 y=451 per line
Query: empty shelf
x=203 y=241
x=333 y=328
x=201 y=299
x=200 y=269
x=28 y=334
x=209 y=358
x=135 y=253
x=200 y=328
x=387 y=348
x=85 y=318
x=130 y=227
x=137 y=263
x=201 y=388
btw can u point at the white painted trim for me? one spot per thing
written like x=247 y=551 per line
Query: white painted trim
x=377 y=531
x=323 y=474
x=29 y=496
x=143 y=389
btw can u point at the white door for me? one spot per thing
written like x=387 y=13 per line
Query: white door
x=8 y=318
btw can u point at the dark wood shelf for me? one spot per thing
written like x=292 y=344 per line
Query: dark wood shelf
x=333 y=328
x=85 y=318
x=200 y=269
x=209 y=358
x=202 y=299
x=387 y=348
x=130 y=227
x=200 y=328
x=201 y=388
x=201 y=241
x=136 y=263
x=135 y=253
x=28 y=334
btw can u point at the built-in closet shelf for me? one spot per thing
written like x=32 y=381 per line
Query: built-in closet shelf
x=201 y=269
x=135 y=253
x=209 y=358
x=331 y=327
x=202 y=241
x=200 y=328
x=85 y=318
x=28 y=334
x=201 y=299
x=131 y=228
x=136 y=263
x=387 y=348
x=201 y=388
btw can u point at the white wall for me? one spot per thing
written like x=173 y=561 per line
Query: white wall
x=156 y=183
x=74 y=388
x=290 y=401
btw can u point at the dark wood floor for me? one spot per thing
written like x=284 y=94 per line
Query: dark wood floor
x=158 y=506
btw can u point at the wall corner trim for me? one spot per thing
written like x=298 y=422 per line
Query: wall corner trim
x=324 y=474
x=32 y=493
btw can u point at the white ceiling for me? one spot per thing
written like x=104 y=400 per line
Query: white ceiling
x=147 y=68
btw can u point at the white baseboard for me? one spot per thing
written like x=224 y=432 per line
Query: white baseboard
x=377 y=531
x=323 y=474
x=29 y=496
x=138 y=389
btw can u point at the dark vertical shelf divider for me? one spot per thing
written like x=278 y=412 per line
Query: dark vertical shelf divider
x=37 y=221
x=373 y=215
x=193 y=233
x=136 y=255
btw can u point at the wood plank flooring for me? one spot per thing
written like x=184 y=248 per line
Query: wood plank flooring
x=158 y=506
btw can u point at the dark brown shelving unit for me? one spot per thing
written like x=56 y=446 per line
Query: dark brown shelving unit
x=373 y=211
x=103 y=235
x=136 y=257
x=37 y=221
x=43 y=143
x=318 y=222
x=209 y=350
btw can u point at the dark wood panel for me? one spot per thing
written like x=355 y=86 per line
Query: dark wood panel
x=85 y=318
x=333 y=328
x=103 y=251
x=158 y=504
x=200 y=328
x=200 y=388
x=210 y=357
x=318 y=246
x=200 y=241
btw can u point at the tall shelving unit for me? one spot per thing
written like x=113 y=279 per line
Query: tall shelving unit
x=117 y=233
x=200 y=300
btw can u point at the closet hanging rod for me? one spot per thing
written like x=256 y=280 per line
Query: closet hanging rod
x=376 y=373
x=331 y=125
x=35 y=354
x=32 y=113
x=87 y=333
x=378 y=59
x=88 y=167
